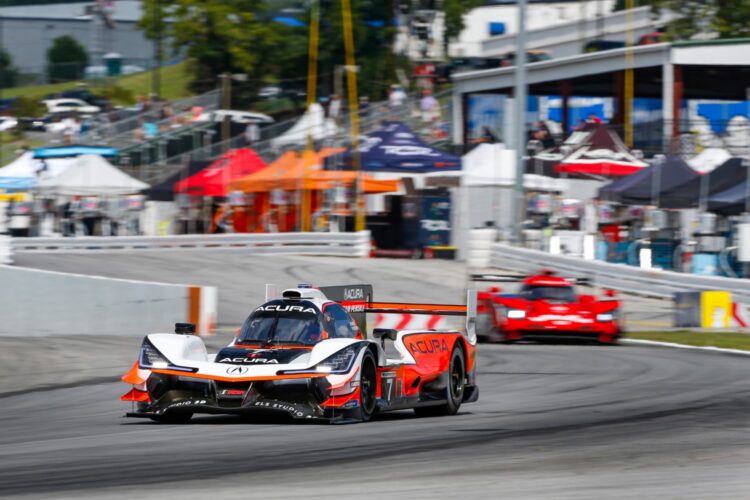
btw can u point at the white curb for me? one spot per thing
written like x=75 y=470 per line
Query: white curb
x=683 y=346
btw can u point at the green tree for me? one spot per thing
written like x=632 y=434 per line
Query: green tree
x=732 y=18
x=66 y=59
x=454 y=11
x=8 y=73
x=216 y=37
x=723 y=18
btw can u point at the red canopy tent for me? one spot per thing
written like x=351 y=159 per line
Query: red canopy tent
x=599 y=151
x=214 y=179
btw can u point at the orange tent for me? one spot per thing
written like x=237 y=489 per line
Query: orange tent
x=292 y=171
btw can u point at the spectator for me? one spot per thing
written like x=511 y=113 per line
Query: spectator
x=364 y=107
x=334 y=107
x=72 y=128
x=428 y=105
x=252 y=133
x=397 y=97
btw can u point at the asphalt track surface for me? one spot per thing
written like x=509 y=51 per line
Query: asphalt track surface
x=552 y=421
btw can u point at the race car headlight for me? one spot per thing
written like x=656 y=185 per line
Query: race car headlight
x=516 y=314
x=605 y=317
x=341 y=362
x=150 y=357
x=336 y=364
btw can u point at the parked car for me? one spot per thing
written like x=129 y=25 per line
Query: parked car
x=244 y=117
x=601 y=45
x=652 y=38
x=269 y=92
x=67 y=105
x=7 y=123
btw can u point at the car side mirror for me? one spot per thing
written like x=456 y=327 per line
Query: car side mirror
x=610 y=293
x=494 y=289
x=184 y=328
x=385 y=333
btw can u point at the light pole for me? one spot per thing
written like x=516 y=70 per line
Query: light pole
x=226 y=103
x=519 y=94
x=156 y=70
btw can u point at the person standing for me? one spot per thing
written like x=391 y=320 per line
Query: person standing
x=397 y=97
x=252 y=133
x=428 y=105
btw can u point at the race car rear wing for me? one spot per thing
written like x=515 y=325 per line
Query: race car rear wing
x=514 y=278
x=358 y=301
x=469 y=310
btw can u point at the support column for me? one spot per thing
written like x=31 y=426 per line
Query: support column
x=565 y=93
x=619 y=115
x=459 y=123
x=667 y=104
x=677 y=100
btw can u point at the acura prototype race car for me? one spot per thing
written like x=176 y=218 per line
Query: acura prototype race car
x=545 y=306
x=306 y=355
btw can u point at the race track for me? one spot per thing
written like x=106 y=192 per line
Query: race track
x=552 y=421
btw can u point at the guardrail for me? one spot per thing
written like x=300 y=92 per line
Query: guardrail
x=652 y=282
x=338 y=244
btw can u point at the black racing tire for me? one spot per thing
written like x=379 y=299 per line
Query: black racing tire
x=368 y=386
x=173 y=418
x=454 y=392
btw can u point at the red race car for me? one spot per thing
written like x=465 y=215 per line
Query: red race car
x=546 y=306
x=305 y=355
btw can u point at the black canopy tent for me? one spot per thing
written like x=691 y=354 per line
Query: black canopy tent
x=164 y=191
x=648 y=185
x=696 y=191
x=732 y=201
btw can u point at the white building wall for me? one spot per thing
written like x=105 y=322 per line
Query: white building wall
x=539 y=16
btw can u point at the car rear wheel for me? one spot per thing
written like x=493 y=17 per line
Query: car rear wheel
x=456 y=386
x=368 y=386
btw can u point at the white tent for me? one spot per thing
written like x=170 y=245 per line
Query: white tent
x=709 y=159
x=91 y=175
x=28 y=166
x=313 y=123
x=489 y=165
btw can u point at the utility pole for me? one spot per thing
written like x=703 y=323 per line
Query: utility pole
x=351 y=83
x=226 y=103
x=156 y=70
x=305 y=198
x=629 y=90
x=519 y=94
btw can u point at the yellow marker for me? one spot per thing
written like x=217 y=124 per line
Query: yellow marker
x=716 y=309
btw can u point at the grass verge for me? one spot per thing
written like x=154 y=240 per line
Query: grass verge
x=727 y=340
x=173 y=85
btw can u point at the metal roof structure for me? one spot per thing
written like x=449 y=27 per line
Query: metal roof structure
x=717 y=69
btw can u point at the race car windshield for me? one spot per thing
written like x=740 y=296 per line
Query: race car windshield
x=559 y=294
x=281 y=325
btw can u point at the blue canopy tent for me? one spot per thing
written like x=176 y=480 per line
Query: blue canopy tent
x=395 y=148
x=73 y=150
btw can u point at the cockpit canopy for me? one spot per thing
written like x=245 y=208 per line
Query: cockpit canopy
x=555 y=294
x=280 y=322
x=296 y=322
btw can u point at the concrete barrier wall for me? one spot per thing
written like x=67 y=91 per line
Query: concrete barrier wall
x=34 y=302
x=6 y=250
